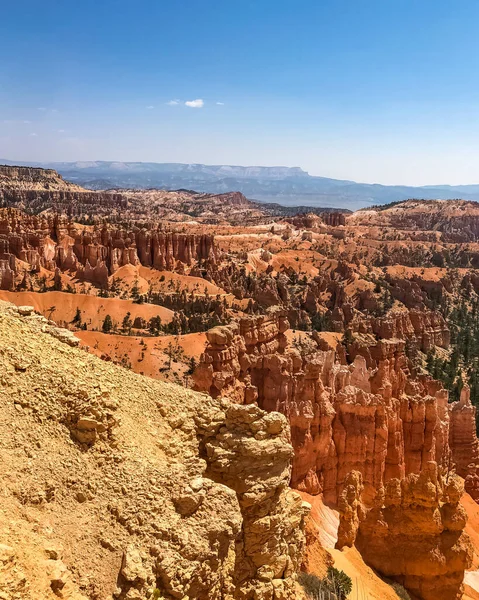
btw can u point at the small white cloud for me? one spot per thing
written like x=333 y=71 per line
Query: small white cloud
x=61 y=131
x=173 y=102
x=198 y=103
x=220 y=103
x=13 y=122
x=33 y=135
x=54 y=110
x=42 y=108
x=150 y=107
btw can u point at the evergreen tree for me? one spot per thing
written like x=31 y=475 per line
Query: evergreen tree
x=127 y=323
x=77 y=318
x=107 y=324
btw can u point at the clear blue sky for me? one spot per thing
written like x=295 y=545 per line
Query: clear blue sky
x=373 y=90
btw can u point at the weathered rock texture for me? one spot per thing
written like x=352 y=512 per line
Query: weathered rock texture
x=423 y=329
x=415 y=534
x=360 y=428
x=117 y=484
x=91 y=253
x=314 y=221
x=22 y=178
x=369 y=416
x=36 y=190
x=464 y=443
x=456 y=220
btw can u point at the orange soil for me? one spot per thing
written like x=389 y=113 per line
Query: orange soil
x=471 y=578
x=187 y=282
x=128 y=276
x=472 y=526
x=425 y=273
x=366 y=583
x=293 y=335
x=326 y=520
x=301 y=261
x=146 y=355
x=470 y=587
x=331 y=338
x=93 y=308
x=163 y=281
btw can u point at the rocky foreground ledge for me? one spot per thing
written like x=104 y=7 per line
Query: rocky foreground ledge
x=118 y=486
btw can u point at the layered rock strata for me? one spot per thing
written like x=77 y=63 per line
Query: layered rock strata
x=359 y=429
x=368 y=416
x=415 y=534
x=423 y=329
x=91 y=253
x=464 y=443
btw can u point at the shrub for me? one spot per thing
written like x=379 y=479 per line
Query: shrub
x=336 y=586
x=341 y=582
x=314 y=586
x=400 y=591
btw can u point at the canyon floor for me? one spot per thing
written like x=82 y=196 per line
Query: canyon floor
x=314 y=403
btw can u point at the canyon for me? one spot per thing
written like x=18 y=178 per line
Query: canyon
x=314 y=403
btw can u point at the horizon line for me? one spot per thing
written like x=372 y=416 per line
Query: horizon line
x=306 y=173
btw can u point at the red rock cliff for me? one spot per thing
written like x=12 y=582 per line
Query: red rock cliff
x=91 y=253
x=415 y=534
x=367 y=417
x=373 y=418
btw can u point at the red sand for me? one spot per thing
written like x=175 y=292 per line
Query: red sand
x=93 y=308
x=146 y=355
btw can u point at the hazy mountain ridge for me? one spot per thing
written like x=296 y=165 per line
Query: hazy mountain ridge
x=283 y=185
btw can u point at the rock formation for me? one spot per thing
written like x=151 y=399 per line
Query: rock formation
x=360 y=428
x=374 y=299
x=55 y=241
x=464 y=443
x=38 y=189
x=456 y=220
x=314 y=221
x=415 y=534
x=154 y=486
x=22 y=178
x=368 y=416
x=350 y=509
x=424 y=329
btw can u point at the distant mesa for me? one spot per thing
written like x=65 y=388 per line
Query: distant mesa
x=283 y=185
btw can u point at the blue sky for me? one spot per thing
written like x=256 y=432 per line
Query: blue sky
x=373 y=90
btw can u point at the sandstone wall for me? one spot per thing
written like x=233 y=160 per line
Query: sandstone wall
x=368 y=416
x=375 y=441
x=415 y=534
x=91 y=253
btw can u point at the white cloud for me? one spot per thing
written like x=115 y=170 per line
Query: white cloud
x=41 y=108
x=220 y=103
x=150 y=107
x=61 y=131
x=198 y=103
x=33 y=135
x=173 y=102
x=27 y=121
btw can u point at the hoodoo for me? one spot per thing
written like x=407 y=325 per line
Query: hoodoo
x=336 y=363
